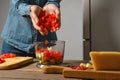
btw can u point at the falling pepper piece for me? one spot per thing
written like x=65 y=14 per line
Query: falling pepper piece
x=46 y=42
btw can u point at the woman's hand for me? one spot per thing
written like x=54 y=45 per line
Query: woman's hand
x=34 y=14
x=49 y=9
x=53 y=9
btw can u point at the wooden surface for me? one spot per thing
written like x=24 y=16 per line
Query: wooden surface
x=92 y=74
x=16 y=62
x=88 y=74
x=54 y=69
x=32 y=72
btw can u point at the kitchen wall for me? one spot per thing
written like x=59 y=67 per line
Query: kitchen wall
x=4 y=6
x=71 y=28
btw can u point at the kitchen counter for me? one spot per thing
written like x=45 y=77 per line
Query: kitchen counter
x=32 y=72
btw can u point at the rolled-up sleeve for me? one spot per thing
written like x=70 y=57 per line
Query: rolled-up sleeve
x=56 y=2
x=22 y=6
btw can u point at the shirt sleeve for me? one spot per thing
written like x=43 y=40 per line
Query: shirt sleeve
x=22 y=6
x=56 y=2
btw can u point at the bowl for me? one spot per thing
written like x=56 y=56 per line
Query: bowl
x=49 y=52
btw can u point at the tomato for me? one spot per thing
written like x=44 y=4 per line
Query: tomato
x=46 y=42
x=78 y=67
x=48 y=22
x=2 y=60
x=73 y=66
x=7 y=55
x=50 y=56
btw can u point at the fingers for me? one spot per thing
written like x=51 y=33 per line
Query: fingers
x=49 y=9
x=37 y=27
x=35 y=18
x=57 y=12
x=35 y=21
x=58 y=16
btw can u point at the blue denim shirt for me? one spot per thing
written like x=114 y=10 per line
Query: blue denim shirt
x=18 y=30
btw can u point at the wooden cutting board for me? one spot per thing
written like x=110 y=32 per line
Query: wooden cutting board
x=92 y=74
x=81 y=74
x=52 y=69
x=12 y=63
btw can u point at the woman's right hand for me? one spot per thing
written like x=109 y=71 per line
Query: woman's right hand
x=34 y=14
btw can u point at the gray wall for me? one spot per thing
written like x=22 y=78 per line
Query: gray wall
x=4 y=6
x=71 y=29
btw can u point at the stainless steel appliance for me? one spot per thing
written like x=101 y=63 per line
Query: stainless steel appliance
x=101 y=26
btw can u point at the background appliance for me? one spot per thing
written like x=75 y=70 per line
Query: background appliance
x=101 y=26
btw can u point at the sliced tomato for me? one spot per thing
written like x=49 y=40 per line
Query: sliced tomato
x=46 y=42
x=2 y=60
x=48 y=22
x=7 y=55
x=78 y=67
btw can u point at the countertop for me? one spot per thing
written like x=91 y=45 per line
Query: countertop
x=32 y=72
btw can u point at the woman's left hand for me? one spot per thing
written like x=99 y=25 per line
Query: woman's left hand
x=53 y=9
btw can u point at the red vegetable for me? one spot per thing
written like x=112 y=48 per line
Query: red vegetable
x=46 y=42
x=6 y=55
x=2 y=60
x=50 y=56
x=48 y=22
x=78 y=67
